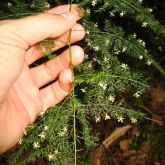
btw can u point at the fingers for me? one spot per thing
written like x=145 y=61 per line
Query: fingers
x=64 y=8
x=30 y=99
x=34 y=29
x=49 y=71
x=56 y=92
x=56 y=10
x=37 y=51
x=5 y=21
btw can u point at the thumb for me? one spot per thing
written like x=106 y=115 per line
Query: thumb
x=33 y=29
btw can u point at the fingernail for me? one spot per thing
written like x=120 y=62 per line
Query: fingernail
x=70 y=76
x=69 y=16
x=79 y=12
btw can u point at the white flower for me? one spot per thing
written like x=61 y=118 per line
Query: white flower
x=104 y=86
x=42 y=112
x=140 y=1
x=124 y=66
x=111 y=98
x=107 y=117
x=107 y=41
x=24 y=132
x=133 y=120
x=144 y=24
x=65 y=129
x=111 y=14
x=140 y=57
x=117 y=52
x=83 y=90
x=97 y=119
x=42 y=135
x=30 y=127
x=88 y=11
x=9 y=4
x=137 y=95
x=134 y=35
x=96 y=48
x=20 y=141
x=32 y=5
x=90 y=66
x=106 y=4
x=150 y=10
x=56 y=152
x=106 y=59
x=124 y=49
x=86 y=56
x=46 y=127
x=141 y=42
x=149 y=62
x=94 y=59
x=36 y=145
x=120 y=119
x=96 y=25
x=122 y=14
x=63 y=133
x=160 y=48
x=47 y=5
x=89 y=43
x=94 y=2
x=50 y=157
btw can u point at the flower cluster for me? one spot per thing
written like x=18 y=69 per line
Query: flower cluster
x=52 y=156
x=94 y=2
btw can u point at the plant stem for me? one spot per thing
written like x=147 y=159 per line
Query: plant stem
x=73 y=90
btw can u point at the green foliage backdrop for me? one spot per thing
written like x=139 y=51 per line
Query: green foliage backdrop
x=115 y=49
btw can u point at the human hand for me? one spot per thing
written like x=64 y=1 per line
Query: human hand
x=21 y=99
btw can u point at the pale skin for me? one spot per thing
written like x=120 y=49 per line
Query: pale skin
x=21 y=99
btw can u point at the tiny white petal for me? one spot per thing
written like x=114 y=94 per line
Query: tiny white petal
x=122 y=14
x=46 y=127
x=144 y=24
x=137 y=95
x=20 y=141
x=42 y=135
x=150 y=9
x=96 y=48
x=133 y=120
x=111 y=98
x=107 y=117
x=140 y=57
x=50 y=157
x=36 y=145
x=124 y=49
x=111 y=14
x=124 y=66
x=88 y=11
x=134 y=35
x=97 y=119
x=149 y=62
x=120 y=119
x=9 y=4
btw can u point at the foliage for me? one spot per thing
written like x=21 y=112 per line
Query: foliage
x=160 y=140
x=111 y=42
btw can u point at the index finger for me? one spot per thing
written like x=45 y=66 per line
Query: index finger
x=64 y=8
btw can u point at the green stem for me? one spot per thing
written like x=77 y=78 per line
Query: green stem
x=73 y=90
